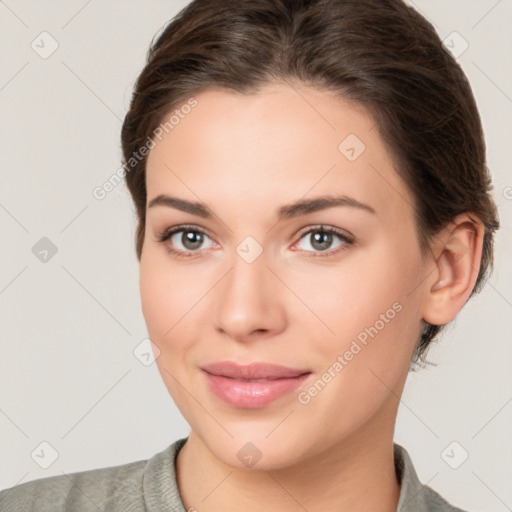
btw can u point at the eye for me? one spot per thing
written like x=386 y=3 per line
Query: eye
x=188 y=241
x=323 y=240
x=184 y=240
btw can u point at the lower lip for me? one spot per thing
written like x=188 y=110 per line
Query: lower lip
x=252 y=394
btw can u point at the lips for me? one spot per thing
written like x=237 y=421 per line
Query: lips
x=254 y=371
x=252 y=386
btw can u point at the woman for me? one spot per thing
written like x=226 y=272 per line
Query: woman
x=314 y=206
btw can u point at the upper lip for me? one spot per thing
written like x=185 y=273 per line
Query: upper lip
x=252 y=371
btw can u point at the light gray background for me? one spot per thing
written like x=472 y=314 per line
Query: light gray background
x=69 y=326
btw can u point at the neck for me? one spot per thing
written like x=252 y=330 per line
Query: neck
x=358 y=473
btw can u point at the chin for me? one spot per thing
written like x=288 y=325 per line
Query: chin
x=256 y=452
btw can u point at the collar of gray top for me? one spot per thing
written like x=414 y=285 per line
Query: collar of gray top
x=161 y=487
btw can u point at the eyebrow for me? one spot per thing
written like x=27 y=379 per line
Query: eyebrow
x=295 y=209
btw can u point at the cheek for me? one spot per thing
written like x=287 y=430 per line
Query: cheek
x=366 y=307
x=165 y=301
x=155 y=298
x=362 y=365
x=174 y=304
x=167 y=292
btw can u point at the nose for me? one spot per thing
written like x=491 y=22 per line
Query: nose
x=250 y=302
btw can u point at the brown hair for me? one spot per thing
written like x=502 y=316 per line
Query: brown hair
x=380 y=53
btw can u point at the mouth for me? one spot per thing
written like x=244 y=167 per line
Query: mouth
x=252 y=386
x=253 y=371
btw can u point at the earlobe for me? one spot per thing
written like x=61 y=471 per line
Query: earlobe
x=456 y=270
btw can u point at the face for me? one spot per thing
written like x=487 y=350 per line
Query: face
x=330 y=291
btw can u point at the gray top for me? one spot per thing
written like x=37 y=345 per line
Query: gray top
x=150 y=486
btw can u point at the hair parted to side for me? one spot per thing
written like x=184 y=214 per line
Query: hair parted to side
x=380 y=53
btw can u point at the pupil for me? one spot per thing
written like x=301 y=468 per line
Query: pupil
x=323 y=239
x=192 y=239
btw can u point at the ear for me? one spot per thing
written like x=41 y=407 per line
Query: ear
x=459 y=252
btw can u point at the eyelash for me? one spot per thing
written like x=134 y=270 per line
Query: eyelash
x=166 y=234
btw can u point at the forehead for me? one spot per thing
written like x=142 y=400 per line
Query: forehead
x=275 y=145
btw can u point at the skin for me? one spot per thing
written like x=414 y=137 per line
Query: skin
x=244 y=156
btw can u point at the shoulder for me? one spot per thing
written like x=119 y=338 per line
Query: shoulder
x=134 y=487
x=111 y=488
x=414 y=496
